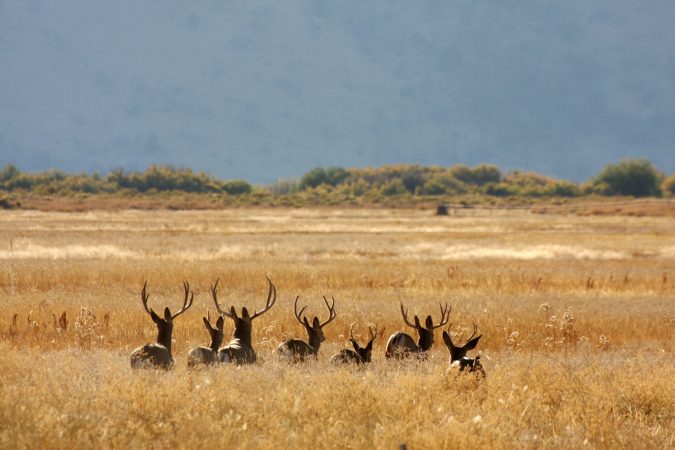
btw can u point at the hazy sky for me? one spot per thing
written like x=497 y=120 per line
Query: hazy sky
x=263 y=90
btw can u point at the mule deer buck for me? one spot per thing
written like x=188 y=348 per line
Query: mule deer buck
x=240 y=349
x=458 y=353
x=203 y=354
x=360 y=355
x=297 y=349
x=159 y=354
x=401 y=345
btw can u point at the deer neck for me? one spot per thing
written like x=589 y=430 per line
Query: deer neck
x=425 y=340
x=164 y=336
x=216 y=342
x=314 y=341
x=243 y=332
x=457 y=353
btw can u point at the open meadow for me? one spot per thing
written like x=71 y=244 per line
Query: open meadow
x=576 y=314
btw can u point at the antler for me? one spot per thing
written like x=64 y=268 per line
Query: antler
x=331 y=311
x=475 y=330
x=144 y=297
x=214 y=294
x=271 y=298
x=187 y=301
x=295 y=310
x=351 y=332
x=372 y=329
x=445 y=315
x=404 y=312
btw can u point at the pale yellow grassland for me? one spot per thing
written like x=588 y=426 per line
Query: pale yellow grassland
x=576 y=314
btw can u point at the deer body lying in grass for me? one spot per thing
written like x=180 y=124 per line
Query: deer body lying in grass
x=360 y=355
x=203 y=354
x=158 y=355
x=401 y=345
x=297 y=349
x=458 y=353
x=240 y=348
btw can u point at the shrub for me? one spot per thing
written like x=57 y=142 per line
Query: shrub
x=236 y=187
x=636 y=177
x=313 y=178
x=564 y=189
x=500 y=190
x=8 y=172
x=443 y=184
x=668 y=186
x=394 y=187
x=480 y=175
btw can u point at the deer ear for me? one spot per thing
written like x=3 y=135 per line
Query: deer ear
x=244 y=313
x=447 y=340
x=167 y=314
x=315 y=323
x=155 y=318
x=472 y=343
x=429 y=323
x=207 y=324
x=355 y=345
x=233 y=312
x=220 y=323
x=369 y=347
x=304 y=319
x=417 y=322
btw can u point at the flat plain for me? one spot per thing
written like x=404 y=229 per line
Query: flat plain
x=576 y=316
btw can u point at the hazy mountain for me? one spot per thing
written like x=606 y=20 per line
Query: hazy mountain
x=261 y=89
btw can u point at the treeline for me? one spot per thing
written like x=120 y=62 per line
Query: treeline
x=335 y=185
x=638 y=178
x=154 y=179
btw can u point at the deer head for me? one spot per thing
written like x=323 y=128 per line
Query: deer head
x=426 y=332
x=165 y=325
x=216 y=333
x=365 y=353
x=243 y=325
x=315 y=329
x=459 y=352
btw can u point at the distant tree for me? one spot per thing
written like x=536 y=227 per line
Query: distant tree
x=479 y=175
x=635 y=177
x=668 y=185
x=236 y=187
x=394 y=187
x=564 y=189
x=443 y=183
x=8 y=172
x=313 y=178
x=336 y=175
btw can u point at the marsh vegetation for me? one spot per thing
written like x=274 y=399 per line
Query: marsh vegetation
x=576 y=316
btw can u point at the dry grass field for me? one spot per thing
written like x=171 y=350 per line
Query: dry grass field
x=577 y=316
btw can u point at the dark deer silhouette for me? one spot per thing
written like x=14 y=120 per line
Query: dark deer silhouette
x=203 y=354
x=297 y=349
x=240 y=349
x=159 y=354
x=360 y=355
x=458 y=353
x=401 y=345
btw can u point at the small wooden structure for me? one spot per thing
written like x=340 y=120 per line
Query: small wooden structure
x=442 y=210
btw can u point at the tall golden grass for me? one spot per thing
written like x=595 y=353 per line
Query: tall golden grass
x=576 y=315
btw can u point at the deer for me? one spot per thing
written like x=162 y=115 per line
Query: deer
x=240 y=349
x=158 y=355
x=401 y=345
x=203 y=354
x=360 y=355
x=297 y=349
x=458 y=353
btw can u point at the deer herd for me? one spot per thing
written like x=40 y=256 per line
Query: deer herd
x=239 y=349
